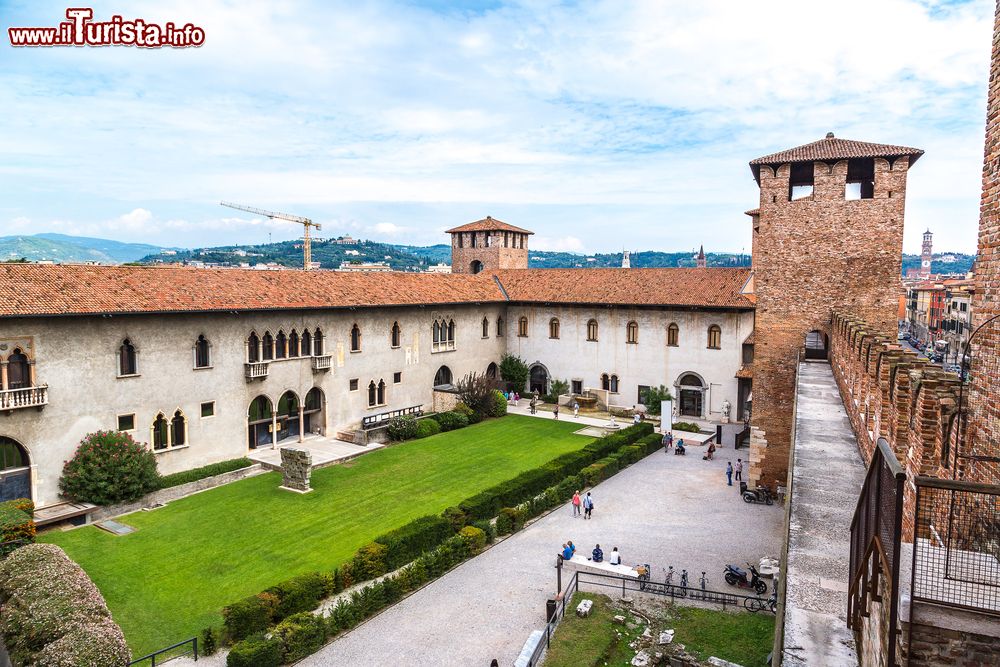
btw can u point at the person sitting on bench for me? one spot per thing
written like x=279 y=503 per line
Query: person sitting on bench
x=598 y=555
x=567 y=552
x=615 y=558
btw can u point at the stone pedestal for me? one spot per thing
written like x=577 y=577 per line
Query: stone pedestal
x=296 y=469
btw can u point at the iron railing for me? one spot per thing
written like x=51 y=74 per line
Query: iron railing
x=186 y=648
x=974 y=452
x=875 y=542
x=956 y=550
x=373 y=421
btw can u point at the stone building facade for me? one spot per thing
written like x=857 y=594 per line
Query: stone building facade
x=828 y=235
x=488 y=245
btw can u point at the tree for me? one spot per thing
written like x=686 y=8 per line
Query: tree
x=514 y=371
x=651 y=398
x=476 y=391
x=109 y=467
x=556 y=389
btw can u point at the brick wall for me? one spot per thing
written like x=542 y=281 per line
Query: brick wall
x=493 y=256
x=811 y=257
x=932 y=645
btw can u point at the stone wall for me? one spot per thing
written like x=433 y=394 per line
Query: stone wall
x=942 y=636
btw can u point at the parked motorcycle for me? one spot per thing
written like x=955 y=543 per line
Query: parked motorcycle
x=737 y=576
x=758 y=495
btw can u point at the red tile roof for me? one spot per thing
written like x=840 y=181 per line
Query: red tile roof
x=488 y=224
x=716 y=287
x=29 y=290
x=745 y=372
x=753 y=211
x=832 y=148
x=750 y=339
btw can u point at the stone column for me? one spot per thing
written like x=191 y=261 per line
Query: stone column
x=3 y=374
x=302 y=423
x=274 y=429
x=296 y=469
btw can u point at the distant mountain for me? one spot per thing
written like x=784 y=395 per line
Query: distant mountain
x=63 y=248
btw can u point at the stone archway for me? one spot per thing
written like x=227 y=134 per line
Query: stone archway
x=260 y=419
x=691 y=389
x=538 y=380
x=15 y=470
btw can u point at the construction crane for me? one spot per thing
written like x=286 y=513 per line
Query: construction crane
x=274 y=215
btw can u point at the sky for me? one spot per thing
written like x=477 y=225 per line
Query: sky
x=599 y=125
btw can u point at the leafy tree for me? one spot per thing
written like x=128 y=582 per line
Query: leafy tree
x=109 y=467
x=514 y=371
x=651 y=398
x=476 y=391
x=556 y=389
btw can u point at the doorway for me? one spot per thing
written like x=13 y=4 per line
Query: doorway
x=539 y=380
x=15 y=470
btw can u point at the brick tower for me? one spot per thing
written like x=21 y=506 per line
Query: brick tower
x=828 y=235
x=926 y=254
x=488 y=244
x=699 y=259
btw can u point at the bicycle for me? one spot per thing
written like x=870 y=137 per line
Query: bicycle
x=760 y=604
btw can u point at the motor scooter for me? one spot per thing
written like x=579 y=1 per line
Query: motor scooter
x=759 y=495
x=737 y=576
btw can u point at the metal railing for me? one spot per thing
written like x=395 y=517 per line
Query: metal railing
x=956 y=550
x=876 y=531
x=26 y=397
x=186 y=648
x=256 y=370
x=372 y=421
x=321 y=362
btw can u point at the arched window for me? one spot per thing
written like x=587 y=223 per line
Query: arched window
x=253 y=348
x=501 y=327
x=437 y=332
x=714 y=337
x=592 y=330
x=314 y=400
x=260 y=409
x=673 y=334
x=605 y=382
x=632 y=332
x=161 y=432
x=293 y=344
x=554 y=327
x=394 y=335
x=614 y=384
x=476 y=266
x=267 y=343
x=381 y=392
x=522 y=327
x=492 y=371
x=318 y=343
x=442 y=377
x=178 y=430
x=355 y=338
x=202 y=358
x=486 y=327
x=126 y=358
x=288 y=405
x=18 y=371
x=12 y=454
x=372 y=393
x=280 y=345
x=306 y=344
x=451 y=331
x=690 y=380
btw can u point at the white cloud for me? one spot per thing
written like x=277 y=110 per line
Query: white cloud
x=136 y=218
x=560 y=244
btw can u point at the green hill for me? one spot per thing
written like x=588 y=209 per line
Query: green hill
x=62 y=248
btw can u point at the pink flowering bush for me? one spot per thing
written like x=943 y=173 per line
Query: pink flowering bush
x=109 y=467
x=51 y=613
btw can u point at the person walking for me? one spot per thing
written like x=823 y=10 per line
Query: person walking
x=588 y=506
x=555 y=412
x=739 y=470
x=576 y=410
x=531 y=405
x=729 y=473
x=665 y=441
x=517 y=399
x=576 y=504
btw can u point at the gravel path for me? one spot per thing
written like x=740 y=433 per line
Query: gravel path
x=664 y=510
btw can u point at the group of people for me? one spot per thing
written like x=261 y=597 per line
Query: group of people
x=584 y=503
x=596 y=556
x=512 y=397
x=730 y=470
x=668 y=442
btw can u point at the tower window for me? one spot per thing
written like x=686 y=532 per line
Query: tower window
x=860 y=179
x=554 y=328
x=472 y=242
x=394 y=335
x=355 y=338
x=714 y=337
x=632 y=332
x=522 y=327
x=673 y=334
x=592 y=330
x=800 y=181
x=486 y=328
x=501 y=327
x=476 y=266
x=126 y=359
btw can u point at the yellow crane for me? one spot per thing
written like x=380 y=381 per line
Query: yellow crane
x=274 y=215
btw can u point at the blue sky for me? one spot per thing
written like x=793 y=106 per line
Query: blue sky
x=599 y=125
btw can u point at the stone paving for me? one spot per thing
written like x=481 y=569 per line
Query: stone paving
x=664 y=510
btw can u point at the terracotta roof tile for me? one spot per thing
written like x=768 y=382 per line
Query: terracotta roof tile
x=753 y=211
x=715 y=287
x=750 y=339
x=488 y=224
x=832 y=148
x=746 y=371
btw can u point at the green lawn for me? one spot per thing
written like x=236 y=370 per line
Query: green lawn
x=740 y=637
x=186 y=561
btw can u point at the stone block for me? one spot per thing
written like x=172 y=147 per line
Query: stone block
x=296 y=469
x=583 y=609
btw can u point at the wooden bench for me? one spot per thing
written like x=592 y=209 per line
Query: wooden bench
x=75 y=513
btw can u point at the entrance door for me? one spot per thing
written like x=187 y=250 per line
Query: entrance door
x=539 y=380
x=691 y=402
x=15 y=475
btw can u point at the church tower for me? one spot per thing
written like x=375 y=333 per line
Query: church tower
x=828 y=235
x=700 y=258
x=488 y=244
x=926 y=254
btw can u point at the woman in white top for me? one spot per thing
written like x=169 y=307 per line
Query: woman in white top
x=615 y=558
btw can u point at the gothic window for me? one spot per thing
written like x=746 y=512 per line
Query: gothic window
x=253 y=348
x=394 y=335
x=486 y=327
x=451 y=331
x=126 y=358
x=381 y=392
x=318 y=343
x=714 y=337
x=522 y=327
x=592 y=330
x=554 y=328
x=442 y=377
x=161 y=432
x=201 y=353
x=372 y=394
x=355 y=338
x=501 y=327
x=306 y=343
x=605 y=382
x=293 y=344
x=614 y=384
x=437 y=332
x=673 y=333
x=632 y=332
x=18 y=371
x=267 y=342
x=178 y=430
x=280 y=345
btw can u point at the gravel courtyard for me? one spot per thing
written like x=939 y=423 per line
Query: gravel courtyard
x=664 y=510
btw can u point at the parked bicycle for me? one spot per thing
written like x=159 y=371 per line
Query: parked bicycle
x=760 y=604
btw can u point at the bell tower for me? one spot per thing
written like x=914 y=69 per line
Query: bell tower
x=488 y=244
x=926 y=254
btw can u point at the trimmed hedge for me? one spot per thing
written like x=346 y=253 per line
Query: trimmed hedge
x=427 y=427
x=301 y=593
x=403 y=427
x=193 y=475
x=258 y=650
x=685 y=426
x=300 y=635
x=451 y=421
x=250 y=615
x=369 y=561
x=415 y=538
x=52 y=613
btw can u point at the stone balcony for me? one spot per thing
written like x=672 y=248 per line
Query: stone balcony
x=26 y=397
x=321 y=362
x=256 y=370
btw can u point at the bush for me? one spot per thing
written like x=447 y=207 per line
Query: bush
x=489 y=530
x=203 y=472
x=651 y=398
x=301 y=593
x=497 y=407
x=109 y=467
x=344 y=616
x=507 y=521
x=415 y=538
x=456 y=517
x=451 y=421
x=24 y=504
x=256 y=651
x=685 y=426
x=473 y=416
x=369 y=561
x=250 y=615
x=15 y=524
x=402 y=428
x=53 y=613
x=300 y=635
x=209 y=642
x=474 y=538
x=427 y=427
